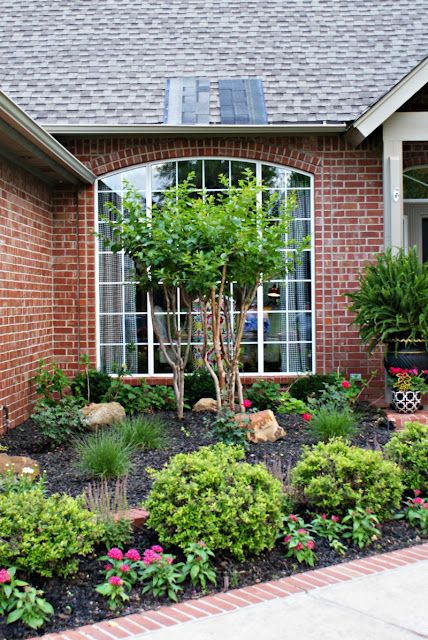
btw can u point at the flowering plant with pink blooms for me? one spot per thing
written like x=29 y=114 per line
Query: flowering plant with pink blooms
x=114 y=589
x=198 y=564
x=416 y=511
x=299 y=542
x=21 y=602
x=327 y=527
x=408 y=379
x=124 y=565
x=161 y=575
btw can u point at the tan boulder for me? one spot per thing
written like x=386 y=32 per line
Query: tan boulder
x=262 y=426
x=103 y=414
x=20 y=465
x=205 y=404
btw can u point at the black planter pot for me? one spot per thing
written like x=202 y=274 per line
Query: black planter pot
x=414 y=356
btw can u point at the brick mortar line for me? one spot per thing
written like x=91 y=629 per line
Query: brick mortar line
x=344 y=573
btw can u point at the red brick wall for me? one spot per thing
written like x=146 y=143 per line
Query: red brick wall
x=348 y=230
x=26 y=292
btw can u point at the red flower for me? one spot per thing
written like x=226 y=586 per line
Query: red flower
x=247 y=404
x=417 y=492
x=307 y=417
x=324 y=516
x=301 y=530
x=287 y=539
x=299 y=546
x=418 y=500
x=345 y=384
x=310 y=544
x=335 y=518
x=292 y=517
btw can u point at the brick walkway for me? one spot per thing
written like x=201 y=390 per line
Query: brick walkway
x=139 y=624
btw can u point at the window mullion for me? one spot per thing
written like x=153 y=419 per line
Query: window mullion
x=150 y=340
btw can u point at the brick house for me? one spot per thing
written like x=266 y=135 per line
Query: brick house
x=328 y=100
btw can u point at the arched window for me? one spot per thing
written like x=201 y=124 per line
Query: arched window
x=278 y=334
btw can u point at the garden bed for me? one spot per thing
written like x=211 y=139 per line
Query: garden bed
x=75 y=600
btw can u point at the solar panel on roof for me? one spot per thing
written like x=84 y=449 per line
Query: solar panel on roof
x=187 y=101
x=242 y=101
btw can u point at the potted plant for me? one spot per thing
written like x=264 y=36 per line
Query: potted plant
x=407 y=387
x=391 y=307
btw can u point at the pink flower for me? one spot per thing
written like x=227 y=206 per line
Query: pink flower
x=170 y=559
x=4 y=576
x=287 y=539
x=156 y=548
x=307 y=417
x=115 y=554
x=107 y=567
x=247 y=403
x=116 y=581
x=125 y=568
x=301 y=530
x=133 y=555
x=335 y=518
x=425 y=505
x=417 y=492
x=310 y=544
x=292 y=517
x=324 y=516
x=345 y=384
x=150 y=556
x=418 y=500
x=299 y=546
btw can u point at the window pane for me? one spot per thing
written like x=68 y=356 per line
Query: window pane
x=275 y=358
x=163 y=176
x=184 y=168
x=135 y=328
x=136 y=357
x=111 y=183
x=110 y=267
x=111 y=331
x=136 y=178
x=302 y=267
x=299 y=295
x=238 y=168
x=299 y=327
x=213 y=168
x=300 y=358
x=277 y=327
x=249 y=358
x=274 y=295
x=415 y=182
x=111 y=358
x=103 y=200
x=273 y=177
x=300 y=229
x=135 y=298
x=111 y=298
x=161 y=364
x=295 y=179
x=303 y=204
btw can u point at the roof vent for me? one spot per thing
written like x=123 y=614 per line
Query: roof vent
x=187 y=101
x=242 y=101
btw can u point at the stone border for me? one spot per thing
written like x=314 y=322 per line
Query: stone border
x=167 y=616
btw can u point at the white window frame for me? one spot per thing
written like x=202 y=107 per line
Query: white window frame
x=260 y=337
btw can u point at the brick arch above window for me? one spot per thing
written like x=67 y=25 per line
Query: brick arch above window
x=122 y=154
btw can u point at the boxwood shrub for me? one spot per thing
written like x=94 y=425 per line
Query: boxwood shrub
x=210 y=495
x=333 y=477
x=409 y=449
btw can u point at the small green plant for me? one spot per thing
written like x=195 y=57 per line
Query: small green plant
x=132 y=398
x=333 y=477
x=198 y=564
x=90 y=384
x=160 y=573
x=329 y=422
x=211 y=495
x=361 y=526
x=51 y=382
x=325 y=527
x=60 y=422
x=416 y=512
x=341 y=394
x=409 y=449
x=198 y=384
x=263 y=394
x=45 y=534
x=311 y=385
x=288 y=404
x=22 y=602
x=227 y=429
x=107 y=504
x=142 y=432
x=299 y=542
x=114 y=589
x=160 y=397
x=103 y=454
x=11 y=482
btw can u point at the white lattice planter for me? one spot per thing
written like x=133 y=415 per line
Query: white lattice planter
x=406 y=401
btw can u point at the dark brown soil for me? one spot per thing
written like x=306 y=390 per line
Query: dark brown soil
x=76 y=602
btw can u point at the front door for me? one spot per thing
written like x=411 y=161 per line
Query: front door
x=416 y=227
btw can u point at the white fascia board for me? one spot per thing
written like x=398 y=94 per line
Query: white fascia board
x=211 y=129
x=392 y=101
x=23 y=124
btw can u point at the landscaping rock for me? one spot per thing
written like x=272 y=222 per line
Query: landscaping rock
x=103 y=414
x=205 y=404
x=20 y=465
x=262 y=426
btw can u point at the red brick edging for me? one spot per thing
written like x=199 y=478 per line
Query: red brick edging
x=166 y=616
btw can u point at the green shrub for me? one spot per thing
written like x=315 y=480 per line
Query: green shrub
x=307 y=386
x=45 y=535
x=159 y=397
x=210 y=495
x=328 y=422
x=409 y=449
x=335 y=477
x=263 y=394
x=99 y=384
x=224 y=428
x=140 y=399
x=51 y=382
x=60 y=422
x=103 y=454
x=142 y=432
x=198 y=384
x=288 y=404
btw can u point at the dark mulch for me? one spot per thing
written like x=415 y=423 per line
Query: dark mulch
x=75 y=601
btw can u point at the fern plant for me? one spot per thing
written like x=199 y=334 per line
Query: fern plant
x=391 y=303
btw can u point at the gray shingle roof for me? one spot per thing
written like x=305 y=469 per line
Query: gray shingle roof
x=90 y=61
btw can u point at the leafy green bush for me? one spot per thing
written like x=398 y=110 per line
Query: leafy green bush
x=99 y=383
x=160 y=397
x=103 y=454
x=45 y=535
x=409 y=449
x=335 y=477
x=311 y=385
x=263 y=394
x=224 y=428
x=328 y=422
x=210 y=495
x=140 y=399
x=288 y=404
x=142 y=432
x=198 y=384
x=51 y=382
x=60 y=422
